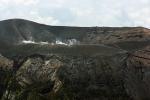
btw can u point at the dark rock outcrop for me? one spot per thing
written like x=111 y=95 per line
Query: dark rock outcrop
x=6 y=71
x=70 y=77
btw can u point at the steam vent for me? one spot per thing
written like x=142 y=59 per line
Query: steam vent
x=41 y=62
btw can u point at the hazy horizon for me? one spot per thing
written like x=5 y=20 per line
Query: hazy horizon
x=116 y=13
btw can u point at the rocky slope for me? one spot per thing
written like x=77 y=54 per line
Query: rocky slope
x=41 y=62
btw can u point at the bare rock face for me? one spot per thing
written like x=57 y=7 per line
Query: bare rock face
x=137 y=74
x=70 y=77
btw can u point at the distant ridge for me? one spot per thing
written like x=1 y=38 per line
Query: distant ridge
x=14 y=31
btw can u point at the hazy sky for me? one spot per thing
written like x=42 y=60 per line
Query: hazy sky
x=79 y=12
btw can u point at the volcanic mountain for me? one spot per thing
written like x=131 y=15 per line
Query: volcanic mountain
x=17 y=32
x=42 y=62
